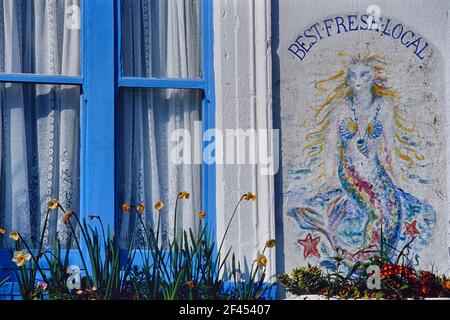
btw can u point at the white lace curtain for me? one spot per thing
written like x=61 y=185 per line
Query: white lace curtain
x=160 y=39
x=39 y=136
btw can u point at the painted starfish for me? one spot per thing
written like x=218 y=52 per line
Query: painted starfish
x=411 y=229
x=310 y=245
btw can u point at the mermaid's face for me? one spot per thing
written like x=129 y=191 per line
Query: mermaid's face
x=360 y=77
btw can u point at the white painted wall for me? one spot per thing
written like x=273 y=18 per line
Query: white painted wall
x=244 y=100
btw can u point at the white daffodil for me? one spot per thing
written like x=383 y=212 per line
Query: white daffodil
x=21 y=258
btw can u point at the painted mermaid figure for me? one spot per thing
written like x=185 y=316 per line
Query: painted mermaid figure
x=369 y=201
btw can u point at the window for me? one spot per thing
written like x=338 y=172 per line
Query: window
x=161 y=39
x=40 y=114
x=161 y=43
x=90 y=92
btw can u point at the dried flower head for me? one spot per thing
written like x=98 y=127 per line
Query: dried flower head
x=249 y=196
x=67 y=216
x=270 y=243
x=202 y=214
x=159 y=205
x=14 y=235
x=184 y=195
x=190 y=284
x=140 y=208
x=126 y=207
x=52 y=204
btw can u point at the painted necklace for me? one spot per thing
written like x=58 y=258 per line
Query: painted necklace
x=373 y=130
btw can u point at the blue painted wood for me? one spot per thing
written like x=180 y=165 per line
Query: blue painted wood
x=119 y=55
x=39 y=78
x=98 y=128
x=208 y=113
x=161 y=83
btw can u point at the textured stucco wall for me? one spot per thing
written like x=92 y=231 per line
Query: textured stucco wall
x=244 y=100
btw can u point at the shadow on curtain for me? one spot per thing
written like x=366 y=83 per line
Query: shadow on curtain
x=160 y=39
x=39 y=136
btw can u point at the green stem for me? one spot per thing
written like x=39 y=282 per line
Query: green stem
x=175 y=219
x=81 y=253
x=41 y=240
x=229 y=224
x=143 y=226
x=158 y=227
x=34 y=258
x=78 y=222
x=103 y=230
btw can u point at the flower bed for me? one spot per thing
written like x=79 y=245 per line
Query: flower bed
x=188 y=266
x=396 y=282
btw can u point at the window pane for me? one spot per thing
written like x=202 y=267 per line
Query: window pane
x=39 y=157
x=40 y=36
x=161 y=39
x=156 y=162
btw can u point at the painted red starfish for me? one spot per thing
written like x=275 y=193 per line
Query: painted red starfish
x=310 y=245
x=411 y=229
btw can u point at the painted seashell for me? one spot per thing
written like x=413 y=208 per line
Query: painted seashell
x=374 y=129
x=348 y=128
x=362 y=147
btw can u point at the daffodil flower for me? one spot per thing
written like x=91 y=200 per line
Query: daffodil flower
x=2 y=232
x=14 y=235
x=21 y=258
x=262 y=260
x=140 y=208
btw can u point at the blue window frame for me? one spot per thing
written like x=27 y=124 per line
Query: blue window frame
x=100 y=80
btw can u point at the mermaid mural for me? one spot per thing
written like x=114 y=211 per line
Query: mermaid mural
x=362 y=119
